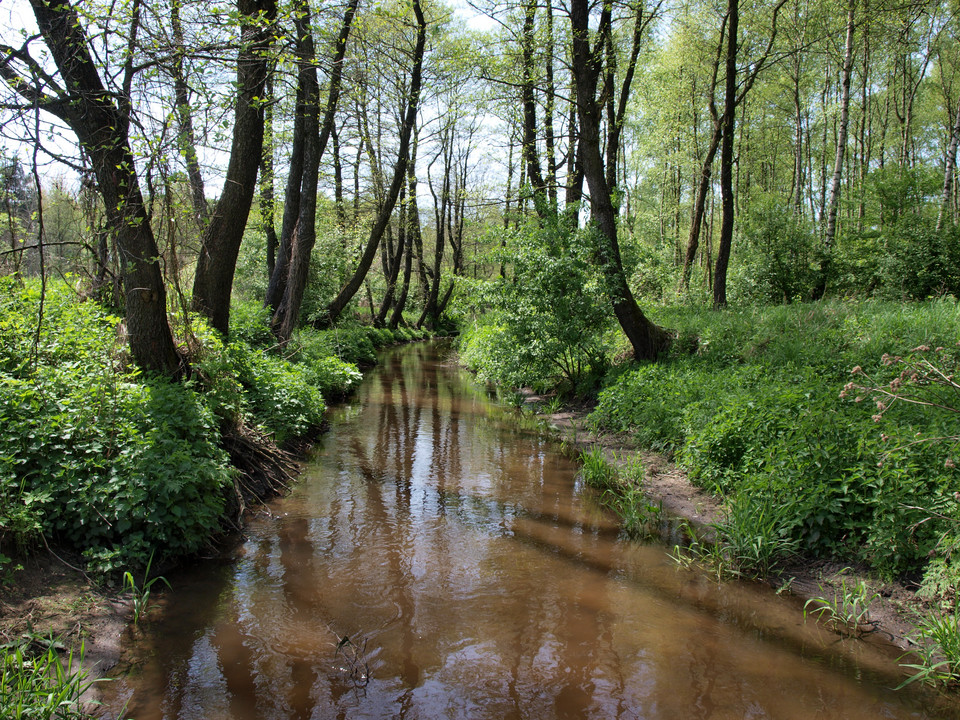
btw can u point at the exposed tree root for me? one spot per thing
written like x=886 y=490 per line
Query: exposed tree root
x=262 y=470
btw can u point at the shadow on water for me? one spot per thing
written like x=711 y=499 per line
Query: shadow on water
x=435 y=562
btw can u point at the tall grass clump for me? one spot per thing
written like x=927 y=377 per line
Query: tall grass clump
x=41 y=684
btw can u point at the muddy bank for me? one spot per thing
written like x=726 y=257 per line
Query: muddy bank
x=664 y=483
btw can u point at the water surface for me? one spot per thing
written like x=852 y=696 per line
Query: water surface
x=435 y=560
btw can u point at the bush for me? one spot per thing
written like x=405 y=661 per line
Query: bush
x=111 y=466
x=115 y=464
x=250 y=323
x=334 y=377
x=280 y=394
x=776 y=254
x=547 y=322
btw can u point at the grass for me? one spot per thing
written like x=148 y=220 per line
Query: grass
x=140 y=594
x=40 y=683
x=938 y=651
x=848 y=611
x=596 y=472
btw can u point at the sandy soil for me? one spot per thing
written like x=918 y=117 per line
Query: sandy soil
x=50 y=598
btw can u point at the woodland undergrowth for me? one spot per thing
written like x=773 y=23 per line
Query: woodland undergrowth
x=117 y=465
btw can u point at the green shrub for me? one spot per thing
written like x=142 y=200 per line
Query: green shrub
x=650 y=401
x=332 y=376
x=776 y=254
x=111 y=465
x=250 y=323
x=546 y=323
x=281 y=394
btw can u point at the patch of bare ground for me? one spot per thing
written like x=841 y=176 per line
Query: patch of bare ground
x=891 y=614
x=50 y=598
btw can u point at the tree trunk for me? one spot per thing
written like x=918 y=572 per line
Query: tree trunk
x=647 y=339
x=726 y=158
x=412 y=236
x=217 y=262
x=101 y=127
x=188 y=145
x=267 y=199
x=548 y=110
x=287 y=315
x=530 y=155
x=833 y=199
x=950 y=166
x=441 y=204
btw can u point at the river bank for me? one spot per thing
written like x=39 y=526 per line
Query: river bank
x=250 y=401
x=895 y=607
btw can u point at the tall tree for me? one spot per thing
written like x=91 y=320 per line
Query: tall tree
x=409 y=115
x=303 y=235
x=833 y=199
x=647 y=339
x=726 y=155
x=217 y=262
x=100 y=121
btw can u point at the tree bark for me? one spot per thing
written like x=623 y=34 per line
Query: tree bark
x=950 y=166
x=217 y=262
x=412 y=238
x=188 y=144
x=530 y=155
x=315 y=140
x=726 y=157
x=100 y=125
x=833 y=199
x=647 y=339
x=268 y=206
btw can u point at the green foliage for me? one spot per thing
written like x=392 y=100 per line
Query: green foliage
x=547 y=320
x=280 y=394
x=919 y=262
x=106 y=461
x=140 y=594
x=754 y=536
x=41 y=684
x=847 y=611
x=115 y=464
x=649 y=401
x=937 y=652
x=595 y=471
x=334 y=377
x=775 y=254
x=757 y=415
x=250 y=323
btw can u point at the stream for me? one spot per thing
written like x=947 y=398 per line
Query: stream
x=438 y=559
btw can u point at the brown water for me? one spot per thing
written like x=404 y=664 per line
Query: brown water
x=475 y=578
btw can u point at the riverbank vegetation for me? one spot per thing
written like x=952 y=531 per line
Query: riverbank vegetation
x=114 y=463
x=703 y=217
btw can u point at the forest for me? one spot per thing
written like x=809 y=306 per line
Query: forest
x=731 y=226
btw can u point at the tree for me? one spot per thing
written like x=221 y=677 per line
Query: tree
x=409 y=115
x=100 y=121
x=213 y=282
x=833 y=199
x=288 y=281
x=647 y=339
